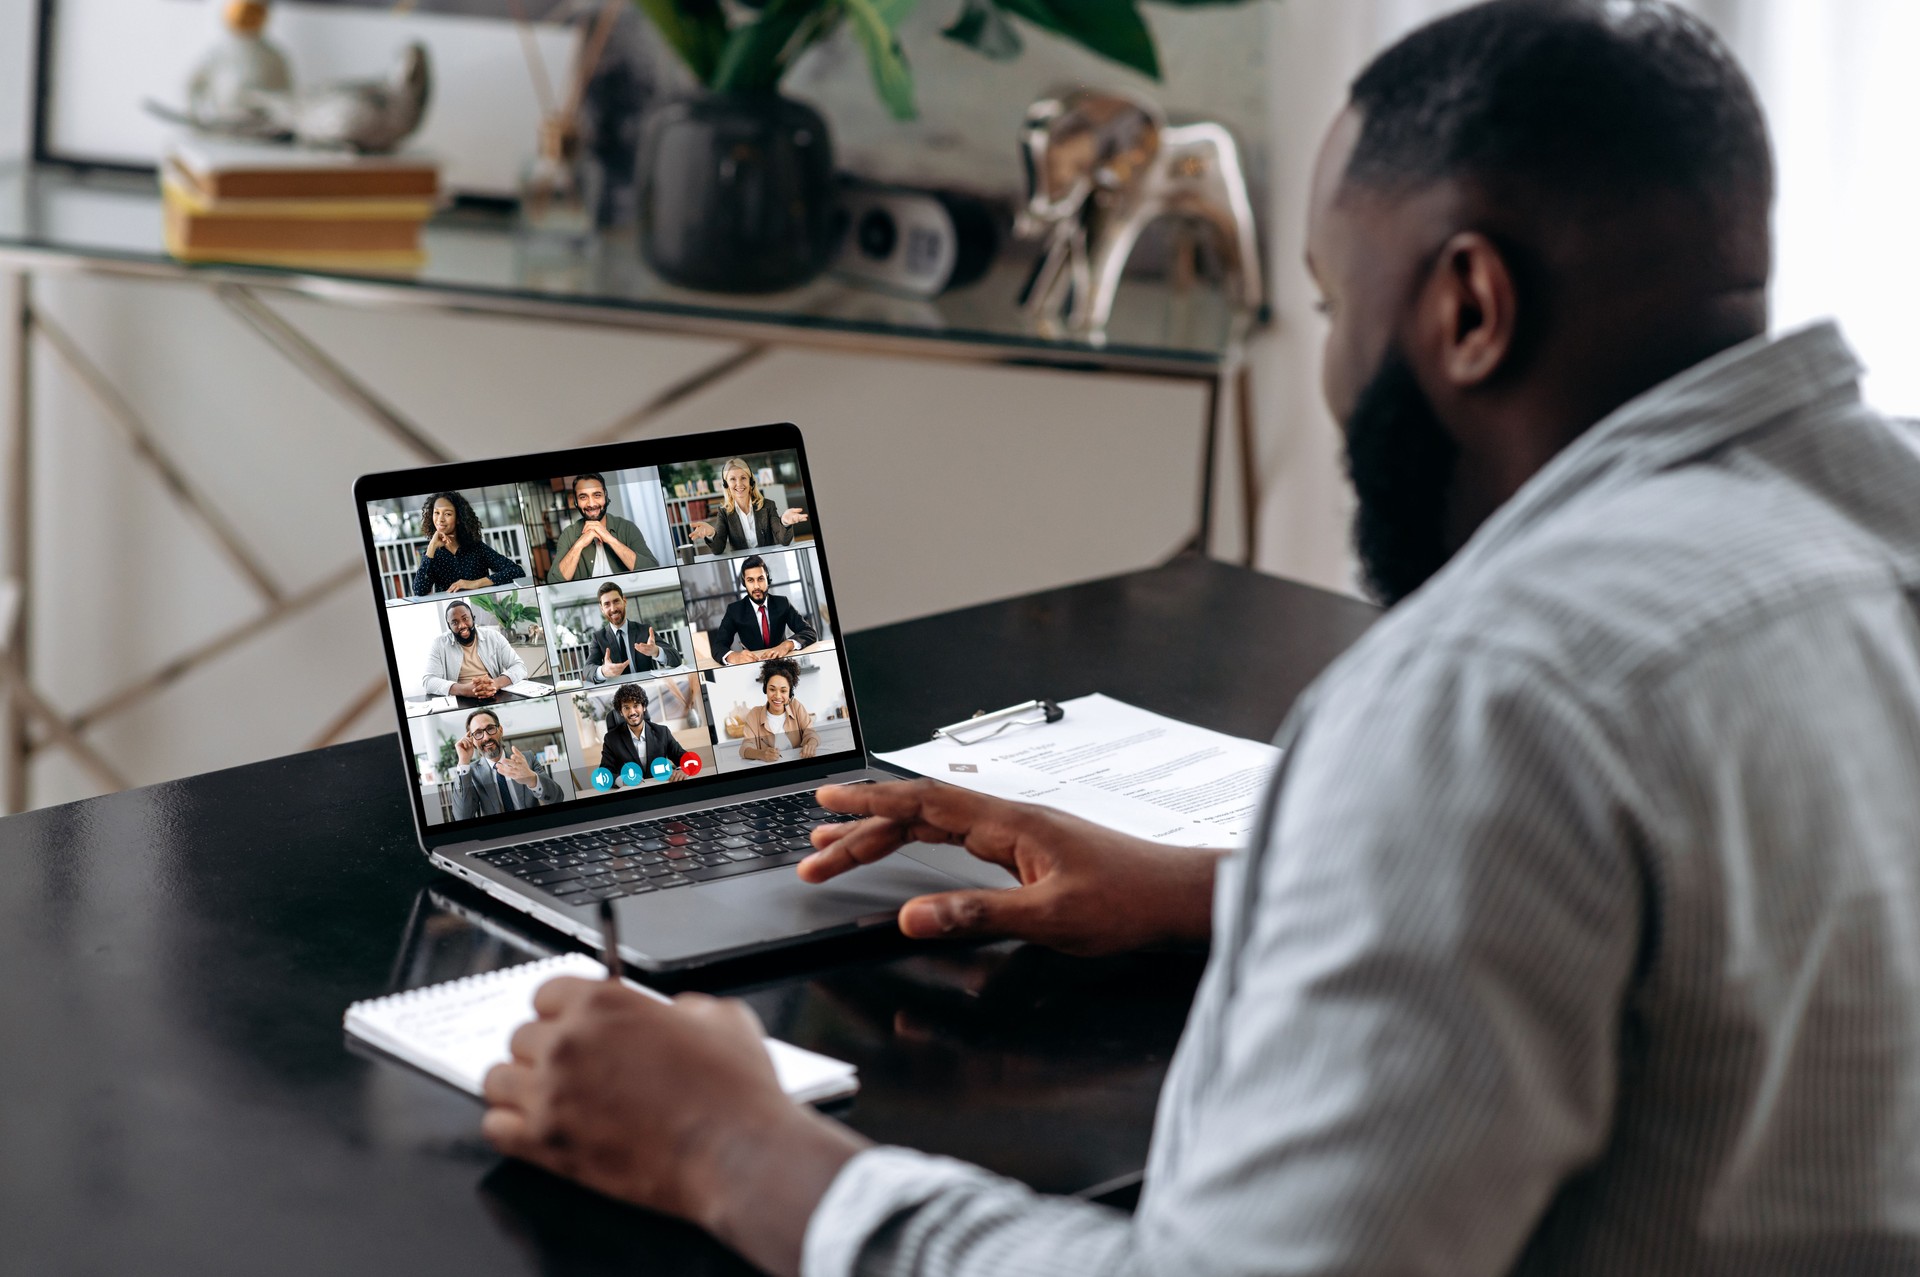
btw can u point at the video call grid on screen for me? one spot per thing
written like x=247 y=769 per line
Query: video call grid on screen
x=653 y=662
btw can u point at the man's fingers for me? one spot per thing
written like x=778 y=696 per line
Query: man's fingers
x=507 y=1084
x=530 y=1039
x=562 y=992
x=944 y=806
x=506 y=1130
x=850 y=847
x=955 y=914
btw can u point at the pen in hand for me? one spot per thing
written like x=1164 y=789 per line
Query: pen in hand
x=610 y=940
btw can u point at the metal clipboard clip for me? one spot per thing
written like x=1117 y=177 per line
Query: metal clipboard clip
x=985 y=726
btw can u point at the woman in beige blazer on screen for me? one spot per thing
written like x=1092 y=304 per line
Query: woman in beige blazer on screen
x=747 y=520
x=780 y=716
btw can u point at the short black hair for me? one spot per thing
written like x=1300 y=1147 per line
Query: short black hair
x=780 y=665
x=751 y=562
x=631 y=692
x=447 y=615
x=489 y=713
x=604 y=587
x=574 y=487
x=1581 y=98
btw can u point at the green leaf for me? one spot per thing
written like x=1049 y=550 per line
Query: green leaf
x=873 y=24
x=1111 y=28
x=696 y=30
x=758 y=53
x=983 y=28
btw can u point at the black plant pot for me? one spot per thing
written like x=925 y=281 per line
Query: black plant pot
x=736 y=192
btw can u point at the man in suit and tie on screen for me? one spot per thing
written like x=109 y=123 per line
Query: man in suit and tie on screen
x=764 y=622
x=622 y=648
x=491 y=778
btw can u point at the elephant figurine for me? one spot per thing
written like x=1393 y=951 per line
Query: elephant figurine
x=1100 y=168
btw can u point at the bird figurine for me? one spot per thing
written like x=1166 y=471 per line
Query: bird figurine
x=371 y=117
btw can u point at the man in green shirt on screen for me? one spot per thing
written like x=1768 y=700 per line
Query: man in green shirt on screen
x=600 y=543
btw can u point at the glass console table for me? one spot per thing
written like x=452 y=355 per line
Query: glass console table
x=108 y=224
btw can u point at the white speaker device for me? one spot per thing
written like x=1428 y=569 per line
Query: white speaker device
x=920 y=243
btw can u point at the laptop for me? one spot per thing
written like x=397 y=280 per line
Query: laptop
x=619 y=675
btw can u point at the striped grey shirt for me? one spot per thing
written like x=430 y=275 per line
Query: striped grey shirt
x=1583 y=931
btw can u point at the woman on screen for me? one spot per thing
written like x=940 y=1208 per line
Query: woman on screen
x=747 y=519
x=455 y=558
x=781 y=715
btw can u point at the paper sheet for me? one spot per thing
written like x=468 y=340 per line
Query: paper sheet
x=1116 y=765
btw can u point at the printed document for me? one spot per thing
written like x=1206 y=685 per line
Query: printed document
x=1116 y=765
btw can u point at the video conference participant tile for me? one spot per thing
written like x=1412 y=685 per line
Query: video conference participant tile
x=778 y=710
x=618 y=736
x=593 y=525
x=756 y=606
x=450 y=542
x=482 y=762
x=616 y=629
x=467 y=646
x=729 y=506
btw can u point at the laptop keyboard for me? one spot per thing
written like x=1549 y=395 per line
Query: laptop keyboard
x=676 y=851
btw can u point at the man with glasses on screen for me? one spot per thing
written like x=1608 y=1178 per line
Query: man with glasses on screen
x=491 y=778
x=597 y=543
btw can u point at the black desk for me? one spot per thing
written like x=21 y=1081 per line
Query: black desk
x=175 y=1092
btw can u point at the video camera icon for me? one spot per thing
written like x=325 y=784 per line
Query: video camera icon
x=631 y=774
x=602 y=779
x=661 y=768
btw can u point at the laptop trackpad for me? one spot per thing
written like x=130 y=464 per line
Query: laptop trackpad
x=778 y=904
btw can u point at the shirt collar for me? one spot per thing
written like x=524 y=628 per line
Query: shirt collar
x=1715 y=402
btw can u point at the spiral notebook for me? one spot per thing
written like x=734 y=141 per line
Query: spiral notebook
x=458 y=1030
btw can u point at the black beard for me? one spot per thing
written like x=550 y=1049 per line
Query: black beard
x=468 y=640
x=1401 y=461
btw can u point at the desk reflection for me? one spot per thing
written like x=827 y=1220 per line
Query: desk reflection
x=1033 y=1064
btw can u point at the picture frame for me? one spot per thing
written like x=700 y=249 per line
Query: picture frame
x=98 y=61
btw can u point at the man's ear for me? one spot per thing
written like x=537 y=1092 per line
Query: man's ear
x=1469 y=309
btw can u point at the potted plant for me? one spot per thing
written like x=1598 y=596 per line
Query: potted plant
x=736 y=182
x=516 y=618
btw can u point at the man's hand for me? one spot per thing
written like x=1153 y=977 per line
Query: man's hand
x=465 y=747
x=721 y=1146
x=611 y=668
x=473 y=584
x=738 y=658
x=677 y=775
x=516 y=767
x=1083 y=889
x=648 y=648
x=593 y=529
x=483 y=687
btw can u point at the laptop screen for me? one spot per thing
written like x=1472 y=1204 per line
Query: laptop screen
x=560 y=638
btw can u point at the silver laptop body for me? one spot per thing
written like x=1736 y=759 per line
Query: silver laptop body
x=509 y=792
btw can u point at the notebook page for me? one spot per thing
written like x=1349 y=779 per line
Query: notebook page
x=459 y=1030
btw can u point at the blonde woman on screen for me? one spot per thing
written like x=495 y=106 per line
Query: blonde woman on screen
x=747 y=519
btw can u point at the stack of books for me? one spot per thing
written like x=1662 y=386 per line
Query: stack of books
x=281 y=206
